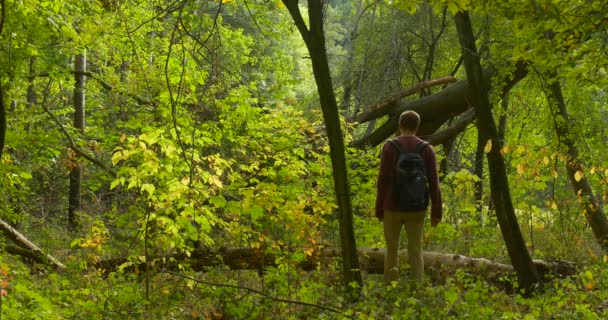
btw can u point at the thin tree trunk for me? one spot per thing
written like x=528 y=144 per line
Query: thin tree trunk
x=315 y=42
x=2 y=119
x=590 y=205
x=79 y=120
x=502 y=122
x=527 y=274
x=478 y=193
x=2 y=106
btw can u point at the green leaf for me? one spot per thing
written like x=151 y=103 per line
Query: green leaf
x=148 y=187
x=256 y=212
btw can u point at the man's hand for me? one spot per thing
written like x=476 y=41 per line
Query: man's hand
x=435 y=222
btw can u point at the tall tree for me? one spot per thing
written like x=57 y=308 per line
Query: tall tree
x=2 y=106
x=314 y=39
x=527 y=274
x=592 y=208
x=76 y=170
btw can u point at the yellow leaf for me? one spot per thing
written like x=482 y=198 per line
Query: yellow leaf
x=554 y=205
x=520 y=168
x=546 y=160
x=309 y=251
x=216 y=181
x=488 y=146
x=505 y=150
x=592 y=170
x=555 y=175
x=578 y=176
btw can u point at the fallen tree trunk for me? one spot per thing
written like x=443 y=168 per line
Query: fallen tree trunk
x=384 y=107
x=434 y=109
x=371 y=262
x=30 y=250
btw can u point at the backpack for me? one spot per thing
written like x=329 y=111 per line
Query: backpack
x=410 y=187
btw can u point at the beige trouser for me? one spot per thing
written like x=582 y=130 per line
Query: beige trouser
x=414 y=225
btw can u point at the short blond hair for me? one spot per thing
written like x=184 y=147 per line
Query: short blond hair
x=409 y=121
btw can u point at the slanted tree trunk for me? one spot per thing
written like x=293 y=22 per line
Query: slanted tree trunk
x=527 y=274
x=76 y=171
x=315 y=42
x=31 y=250
x=434 y=109
x=592 y=208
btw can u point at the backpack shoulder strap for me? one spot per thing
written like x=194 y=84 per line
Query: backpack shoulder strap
x=396 y=144
x=421 y=146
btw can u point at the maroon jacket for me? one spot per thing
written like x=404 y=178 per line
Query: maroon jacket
x=384 y=196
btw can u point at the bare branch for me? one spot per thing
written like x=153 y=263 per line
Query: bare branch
x=265 y=295
x=73 y=144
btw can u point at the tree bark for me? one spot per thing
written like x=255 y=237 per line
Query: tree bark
x=478 y=193
x=592 y=208
x=527 y=274
x=379 y=109
x=435 y=109
x=2 y=106
x=372 y=262
x=315 y=42
x=2 y=120
x=76 y=171
x=22 y=241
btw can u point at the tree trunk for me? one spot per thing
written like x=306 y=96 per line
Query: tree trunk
x=590 y=205
x=315 y=42
x=478 y=193
x=76 y=171
x=34 y=251
x=434 y=109
x=527 y=274
x=437 y=264
x=2 y=106
x=2 y=119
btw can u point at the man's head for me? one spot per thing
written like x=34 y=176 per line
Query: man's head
x=408 y=122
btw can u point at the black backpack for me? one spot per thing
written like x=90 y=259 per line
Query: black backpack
x=410 y=187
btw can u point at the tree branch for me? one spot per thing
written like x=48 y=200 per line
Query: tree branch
x=294 y=10
x=105 y=85
x=456 y=128
x=73 y=145
x=265 y=295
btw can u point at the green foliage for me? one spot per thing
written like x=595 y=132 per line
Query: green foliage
x=208 y=114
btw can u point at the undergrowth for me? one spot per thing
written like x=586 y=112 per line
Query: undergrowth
x=286 y=293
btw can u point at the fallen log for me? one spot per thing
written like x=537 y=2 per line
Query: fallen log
x=383 y=107
x=434 y=109
x=371 y=262
x=30 y=250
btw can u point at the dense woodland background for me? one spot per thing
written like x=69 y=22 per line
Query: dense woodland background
x=197 y=159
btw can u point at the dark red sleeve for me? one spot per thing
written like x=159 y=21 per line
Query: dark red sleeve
x=433 y=178
x=387 y=160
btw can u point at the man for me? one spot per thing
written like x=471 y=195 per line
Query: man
x=386 y=209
